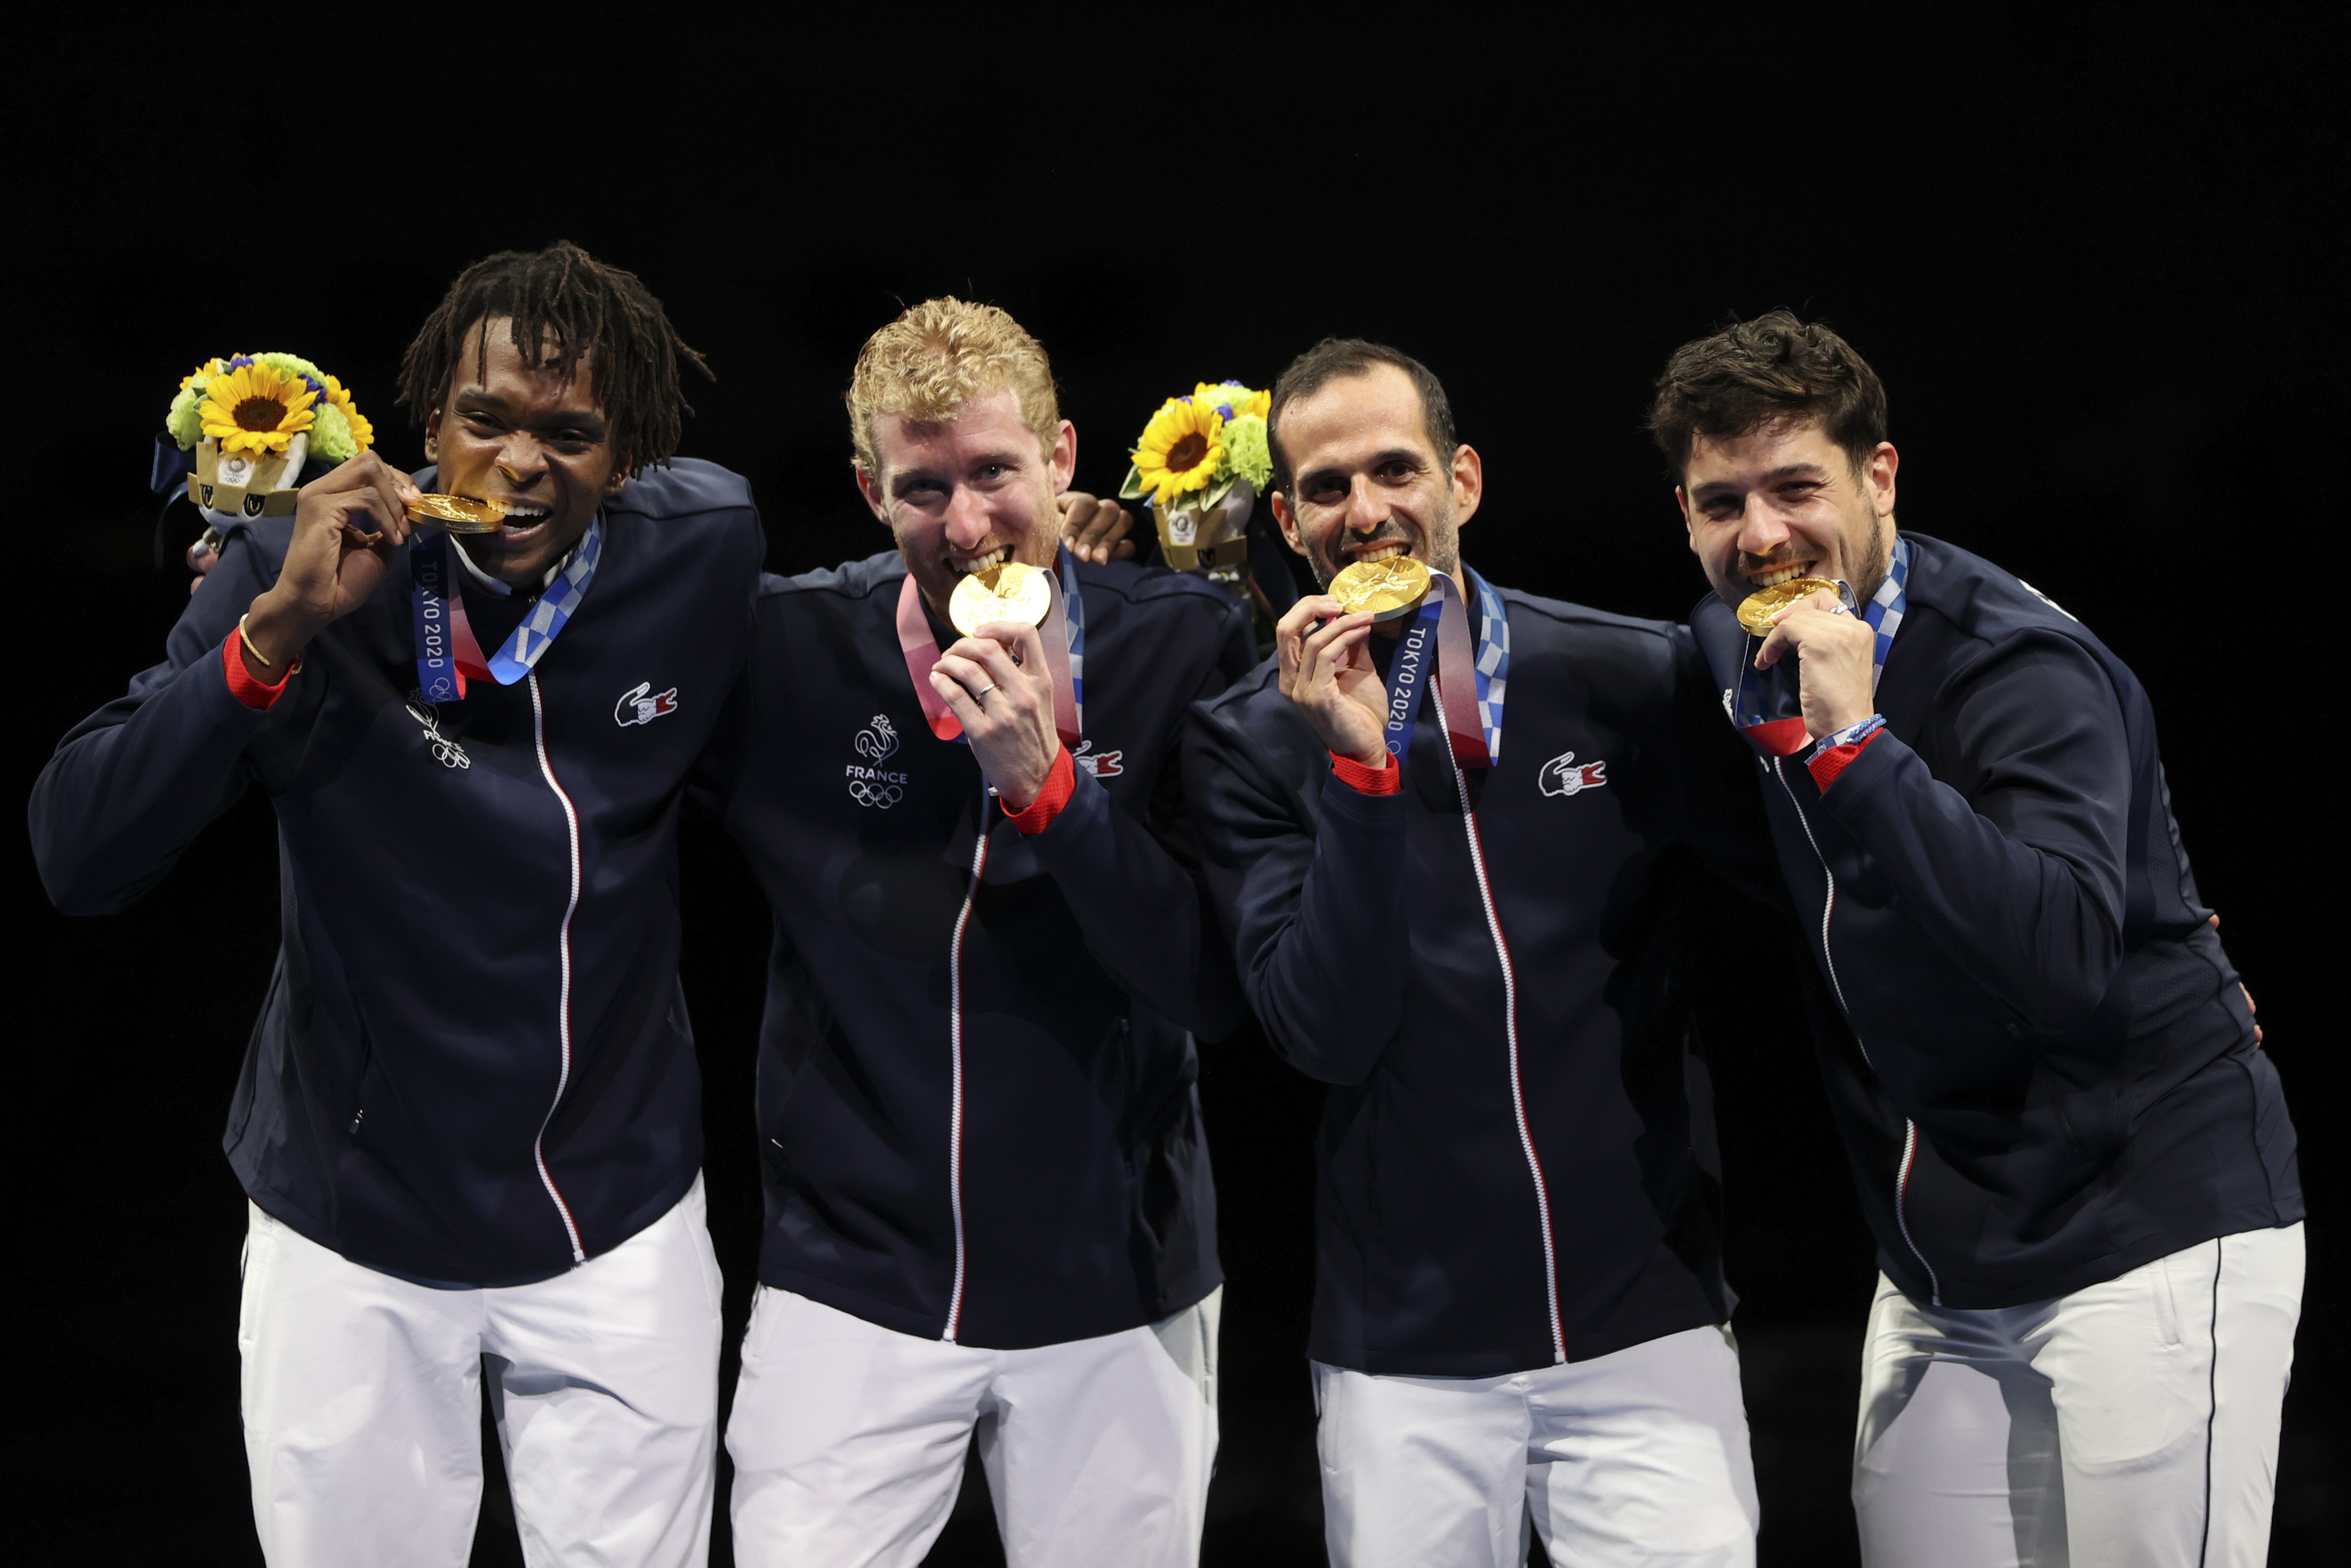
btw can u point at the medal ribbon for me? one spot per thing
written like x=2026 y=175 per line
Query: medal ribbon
x=1062 y=632
x=1787 y=735
x=446 y=653
x=1472 y=708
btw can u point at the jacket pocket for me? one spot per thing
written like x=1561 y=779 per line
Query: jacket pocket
x=2165 y=1296
x=360 y=1081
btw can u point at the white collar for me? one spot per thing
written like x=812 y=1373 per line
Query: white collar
x=504 y=591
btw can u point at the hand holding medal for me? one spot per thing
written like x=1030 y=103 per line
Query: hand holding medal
x=1327 y=670
x=348 y=526
x=1000 y=687
x=1836 y=649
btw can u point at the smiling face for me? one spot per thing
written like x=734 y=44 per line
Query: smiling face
x=969 y=492
x=528 y=439
x=1784 y=501
x=1369 y=485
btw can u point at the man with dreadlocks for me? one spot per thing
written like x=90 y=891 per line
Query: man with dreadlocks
x=469 y=1118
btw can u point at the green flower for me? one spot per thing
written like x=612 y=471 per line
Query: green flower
x=294 y=364
x=183 y=423
x=1247 y=456
x=330 y=434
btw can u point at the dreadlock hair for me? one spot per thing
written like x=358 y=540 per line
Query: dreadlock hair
x=565 y=308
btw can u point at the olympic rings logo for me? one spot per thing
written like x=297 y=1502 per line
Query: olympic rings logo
x=882 y=795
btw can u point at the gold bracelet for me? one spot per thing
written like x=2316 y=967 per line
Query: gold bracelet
x=249 y=648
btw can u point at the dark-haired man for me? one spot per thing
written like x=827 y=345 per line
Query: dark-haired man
x=469 y=1120
x=988 y=1198
x=2074 y=1156
x=1518 y=1312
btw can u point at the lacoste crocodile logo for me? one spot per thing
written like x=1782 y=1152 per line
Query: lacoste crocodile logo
x=636 y=707
x=1562 y=775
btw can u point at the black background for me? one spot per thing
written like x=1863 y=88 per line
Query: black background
x=2095 y=258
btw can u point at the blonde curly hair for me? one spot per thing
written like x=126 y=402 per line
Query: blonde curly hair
x=938 y=356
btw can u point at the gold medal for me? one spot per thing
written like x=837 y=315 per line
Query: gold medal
x=1756 y=612
x=457 y=514
x=1011 y=592
x=1388 y=588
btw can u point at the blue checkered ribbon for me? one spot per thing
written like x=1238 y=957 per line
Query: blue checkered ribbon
x=1493 y=662
x=1073 y=612
x=437 y=675
x=524 y=646
x=1883 y=611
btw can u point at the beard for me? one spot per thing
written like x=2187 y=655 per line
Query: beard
x=1872 y=567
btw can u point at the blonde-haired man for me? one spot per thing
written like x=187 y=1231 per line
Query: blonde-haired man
x=989 y=1201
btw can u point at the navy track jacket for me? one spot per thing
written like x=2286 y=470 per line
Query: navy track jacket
x=1495 y=1193
x=977 y=1103
x=2034 y=1044
x=474 y=1066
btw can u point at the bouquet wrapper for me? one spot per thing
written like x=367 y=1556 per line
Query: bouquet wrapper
x=1197 y=538
x=247 y=484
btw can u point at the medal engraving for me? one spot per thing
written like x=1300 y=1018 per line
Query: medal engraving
x=1011 y=592
x=1756 y=611
x=1388 y=588
x=457 y=514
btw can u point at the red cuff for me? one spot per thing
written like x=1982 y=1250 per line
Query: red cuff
x=1384 y=780
x=1061 y=783
x=1837 y=759
x=242 y=684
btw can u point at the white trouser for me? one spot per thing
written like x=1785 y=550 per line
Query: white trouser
x=2134 y=1422
x=362 y=1412
x=1639 y=1456
x=849 y=1440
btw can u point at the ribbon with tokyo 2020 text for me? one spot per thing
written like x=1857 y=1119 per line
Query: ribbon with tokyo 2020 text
x=1472 y=690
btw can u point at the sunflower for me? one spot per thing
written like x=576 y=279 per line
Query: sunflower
x=257 y=408
x=362 y=433
x=1180 y=449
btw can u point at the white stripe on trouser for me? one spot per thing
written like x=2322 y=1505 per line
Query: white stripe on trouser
x=2098 y=1428
x=362 y=1413
x=849 y=1439
x=1637 y=1456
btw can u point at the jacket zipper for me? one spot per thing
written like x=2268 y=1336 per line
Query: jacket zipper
x=1909 y=1128
x=1511 y=1033
x=955 y=1066
x=563 y=951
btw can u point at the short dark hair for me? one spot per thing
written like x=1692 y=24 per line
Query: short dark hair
x=1332 y=358
x=590 y=311
x=1775 y=369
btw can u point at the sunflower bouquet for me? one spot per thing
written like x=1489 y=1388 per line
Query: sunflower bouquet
x=252 y=421
x=1200 y=466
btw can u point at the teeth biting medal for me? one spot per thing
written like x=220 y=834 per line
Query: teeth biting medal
x=1009 y=591
x=1389 y=589
x=457 y=514
x=1755 y=612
